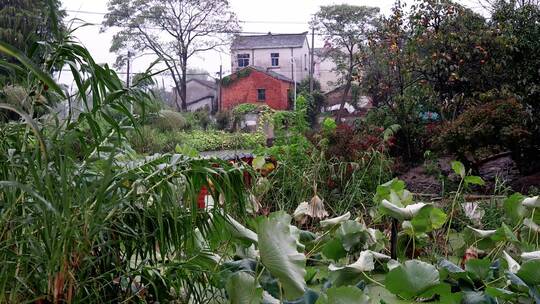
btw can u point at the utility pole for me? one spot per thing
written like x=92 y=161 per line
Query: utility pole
x=128 y=79
x=219 y=87
x=294 y=80
x=128 y=69
x=312 y=63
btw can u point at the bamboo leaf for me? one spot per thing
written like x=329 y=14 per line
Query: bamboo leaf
x=11 y=51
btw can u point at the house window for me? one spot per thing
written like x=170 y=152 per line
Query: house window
x=275 y=59
x=243 y=60
x=261 y=94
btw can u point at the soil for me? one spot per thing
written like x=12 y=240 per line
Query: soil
x=496 y=170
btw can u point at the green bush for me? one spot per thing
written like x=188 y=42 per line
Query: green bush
x=492 y=127
x=223 y=120
x=168 y=120
x=154 y=141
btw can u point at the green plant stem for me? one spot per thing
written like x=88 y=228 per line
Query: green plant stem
x=458 y=193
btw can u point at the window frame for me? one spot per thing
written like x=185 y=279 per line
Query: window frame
x=274 y=56
x=259 y=91
x=243 y=60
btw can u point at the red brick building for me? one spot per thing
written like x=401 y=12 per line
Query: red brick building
x=257 y=86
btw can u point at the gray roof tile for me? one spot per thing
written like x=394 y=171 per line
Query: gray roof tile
x=269 y=41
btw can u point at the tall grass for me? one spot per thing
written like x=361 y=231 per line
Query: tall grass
x=303 y=170
x=85 y=219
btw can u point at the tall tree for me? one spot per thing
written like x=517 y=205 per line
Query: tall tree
x=346 y=28
x=23 y=22
x=174 y=30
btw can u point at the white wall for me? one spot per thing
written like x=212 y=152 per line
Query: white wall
x=324 y=73
x=207 y=102
x=262 y=58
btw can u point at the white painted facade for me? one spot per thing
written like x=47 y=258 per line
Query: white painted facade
x=293 y=60
x=263 y=58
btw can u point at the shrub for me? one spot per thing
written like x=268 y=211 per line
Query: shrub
x=244 y=108
x=223 y=120
x=493 y=127
x=168 y=120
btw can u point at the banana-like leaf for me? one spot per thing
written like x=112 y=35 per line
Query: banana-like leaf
x=11 y=51
x=279 y=253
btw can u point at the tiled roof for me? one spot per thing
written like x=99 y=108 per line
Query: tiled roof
x=211 y=84
x=271 y=73
x=269 y=41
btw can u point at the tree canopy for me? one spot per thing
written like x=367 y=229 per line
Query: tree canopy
x=174 y=30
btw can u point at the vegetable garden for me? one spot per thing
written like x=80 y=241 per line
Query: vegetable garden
x=89 y=213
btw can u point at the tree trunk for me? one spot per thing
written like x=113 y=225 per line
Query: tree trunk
x=344 y=98
x=183 y=81
x=393 y=239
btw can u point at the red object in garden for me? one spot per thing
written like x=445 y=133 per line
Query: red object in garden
x=201 y=198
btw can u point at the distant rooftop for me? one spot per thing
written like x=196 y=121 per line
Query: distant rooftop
x=269 y=41
x=209 y=83
x=271 y=73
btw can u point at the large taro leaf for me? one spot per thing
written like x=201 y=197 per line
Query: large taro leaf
x=344 y=295
x=242 y=289
x=353 y=273
x=428 y=219
x=279 y=254
x=478 y=269
x=530 y=272
x=513 y=208
x=411 y=279
x=351 y=234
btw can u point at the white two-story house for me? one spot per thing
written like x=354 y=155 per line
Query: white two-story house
x=286 y=54
x=274 y=52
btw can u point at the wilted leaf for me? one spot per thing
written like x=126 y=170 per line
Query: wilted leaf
x=534 y=255
x=531 y=202
x=406 y=213
x=336 y=220
x=258 y=162
x=513 y=266
x=482 y=233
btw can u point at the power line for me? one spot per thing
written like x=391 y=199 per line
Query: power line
x=153 y=17
x=83 y=22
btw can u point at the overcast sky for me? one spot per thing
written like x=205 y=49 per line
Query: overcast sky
x=276 y=16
